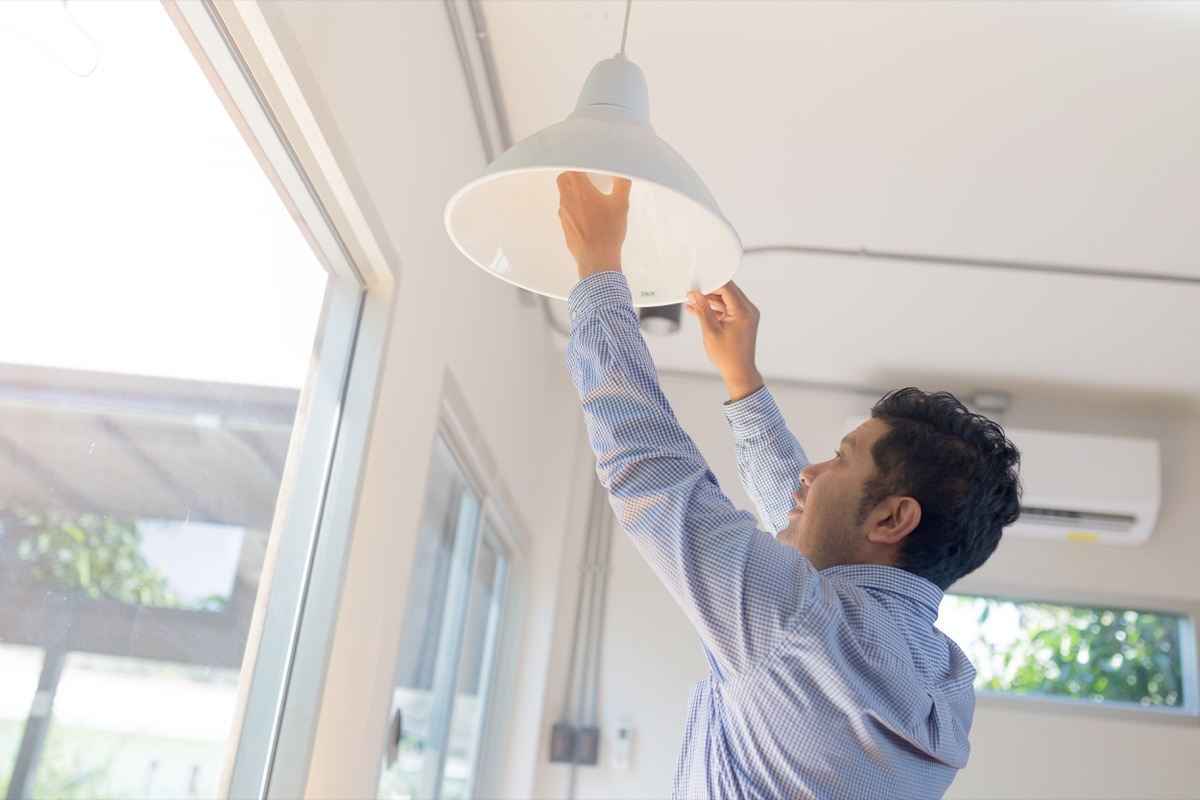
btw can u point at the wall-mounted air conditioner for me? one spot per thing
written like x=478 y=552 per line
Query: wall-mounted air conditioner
x=1085 y=487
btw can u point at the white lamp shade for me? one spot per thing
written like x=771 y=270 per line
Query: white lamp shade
x=506 y=221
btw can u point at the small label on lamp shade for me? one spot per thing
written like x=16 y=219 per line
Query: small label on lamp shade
x=650 y=293
x=500 y=263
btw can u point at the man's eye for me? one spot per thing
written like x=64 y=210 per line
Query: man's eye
x=837 y=454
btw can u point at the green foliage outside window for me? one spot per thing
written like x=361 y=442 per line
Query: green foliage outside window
x=1052 y=650
x=96 y=554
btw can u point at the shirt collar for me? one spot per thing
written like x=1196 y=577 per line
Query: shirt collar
x=889 y=579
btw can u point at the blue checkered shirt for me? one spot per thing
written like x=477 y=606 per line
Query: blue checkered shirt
x=830 y=684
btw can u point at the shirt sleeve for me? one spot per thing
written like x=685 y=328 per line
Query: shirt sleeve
x=740 y=588
x=769 y=458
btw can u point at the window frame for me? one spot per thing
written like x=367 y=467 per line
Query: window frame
x=495 y=523
x=487 y=746
x=291 y=636
x=1189 y=646
x=316 y=717
x=455 y=595
x=492 y=525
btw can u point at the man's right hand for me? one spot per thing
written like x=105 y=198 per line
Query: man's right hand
x=729 y=325
x=593 y=222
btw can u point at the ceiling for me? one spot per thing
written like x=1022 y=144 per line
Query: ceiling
x=1057 y=133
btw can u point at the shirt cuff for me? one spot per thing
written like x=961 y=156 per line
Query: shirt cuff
x=753 y=414
x=604 y=289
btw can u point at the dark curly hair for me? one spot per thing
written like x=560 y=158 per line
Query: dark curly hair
x=959 y=466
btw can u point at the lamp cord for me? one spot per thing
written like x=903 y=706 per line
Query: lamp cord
x=86 y=35
x=625 y=30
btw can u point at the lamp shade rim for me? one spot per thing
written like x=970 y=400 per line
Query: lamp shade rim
x=559 y=169
x=712 y=280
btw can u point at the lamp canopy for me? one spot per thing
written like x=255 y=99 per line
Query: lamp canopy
x=660 y=320
x=506 y=220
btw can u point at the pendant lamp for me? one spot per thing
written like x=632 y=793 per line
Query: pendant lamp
x=506 y=220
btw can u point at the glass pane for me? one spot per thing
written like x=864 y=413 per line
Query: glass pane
x=1109 y=655
x=19 y=671
x=431 y=571
x=109 y=736
x=432 y=628
x=471 y=695
x=158 y=311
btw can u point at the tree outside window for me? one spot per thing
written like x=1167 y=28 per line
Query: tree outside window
x=1100 y=655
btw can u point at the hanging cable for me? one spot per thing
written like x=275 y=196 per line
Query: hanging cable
x=50 y=51
x=625 y=30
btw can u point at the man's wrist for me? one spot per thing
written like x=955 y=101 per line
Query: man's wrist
x=743 y=384
x=588 y=270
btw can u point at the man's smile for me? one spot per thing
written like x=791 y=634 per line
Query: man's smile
x=799 y=509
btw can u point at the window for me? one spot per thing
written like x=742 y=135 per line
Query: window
x=158 y=314
x=1093 y=654
x=449 y=641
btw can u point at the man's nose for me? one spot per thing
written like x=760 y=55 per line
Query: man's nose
x=808 y=473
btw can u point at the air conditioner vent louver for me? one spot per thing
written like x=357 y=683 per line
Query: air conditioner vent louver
x=1078 y=520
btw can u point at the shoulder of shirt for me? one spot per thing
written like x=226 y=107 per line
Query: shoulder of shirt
x=888 y=579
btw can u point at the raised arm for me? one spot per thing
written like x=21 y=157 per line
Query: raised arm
x=740 y=589
x=769 y=458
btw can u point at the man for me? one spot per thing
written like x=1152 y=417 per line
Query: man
x=827 y=676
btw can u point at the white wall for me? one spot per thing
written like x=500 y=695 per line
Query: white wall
x=651 y=655
x=386 y=86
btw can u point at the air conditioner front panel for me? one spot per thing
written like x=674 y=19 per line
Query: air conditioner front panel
x=1087 y=487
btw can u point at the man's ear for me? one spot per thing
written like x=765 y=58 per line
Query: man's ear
x=893 y=519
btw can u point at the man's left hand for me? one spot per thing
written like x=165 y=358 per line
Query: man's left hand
x=594 y=222
x=729 y=327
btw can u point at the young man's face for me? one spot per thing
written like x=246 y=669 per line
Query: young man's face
x=826 y=526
